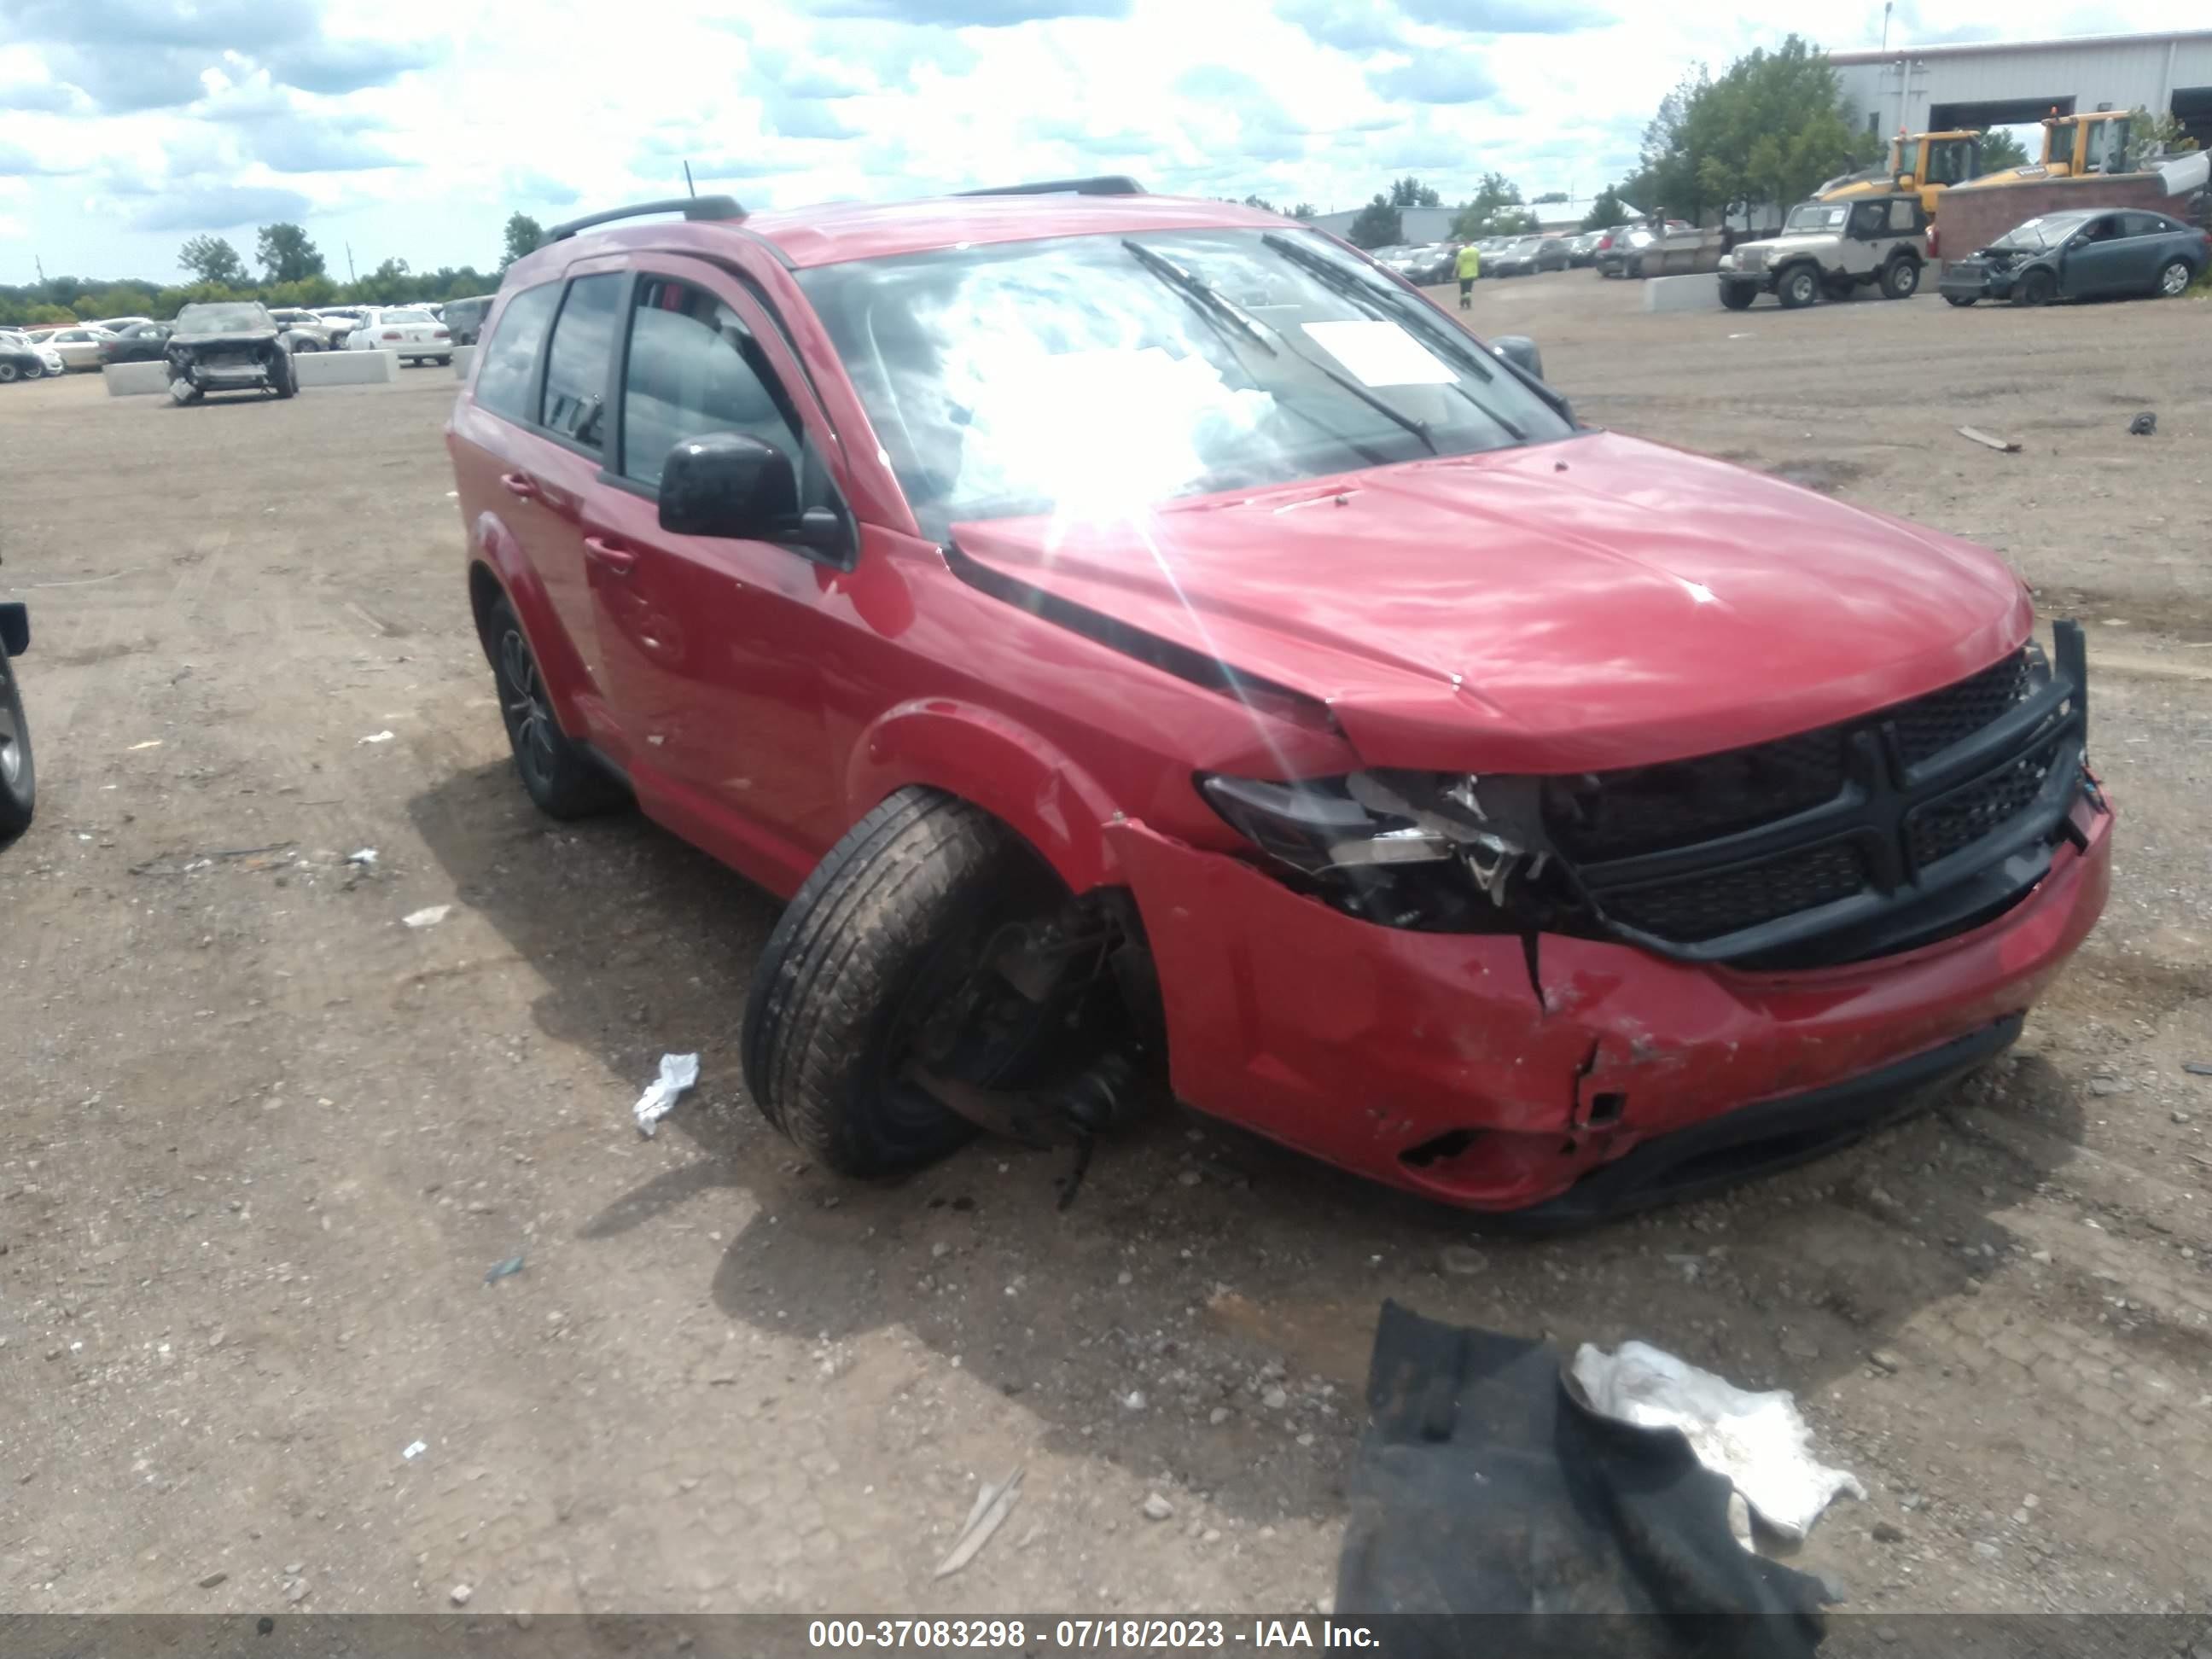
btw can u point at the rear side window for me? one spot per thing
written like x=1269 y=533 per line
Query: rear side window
x=693 y=368
x=511 y=355
x=576 y=363
x=1901 y=215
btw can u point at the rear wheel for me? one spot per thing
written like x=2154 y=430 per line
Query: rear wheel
x=2038 y=288
x=564 y=780
x=2174 y=277
x=1900 y=279
x=1798 y=288
x=884 y=961
x=19 y=778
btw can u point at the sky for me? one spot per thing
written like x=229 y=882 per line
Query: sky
x=412 y=131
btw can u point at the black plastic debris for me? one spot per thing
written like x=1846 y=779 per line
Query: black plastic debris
x=1502 y=1516
x=2143 y=424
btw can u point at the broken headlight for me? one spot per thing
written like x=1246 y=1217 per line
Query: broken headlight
x=1435 y=851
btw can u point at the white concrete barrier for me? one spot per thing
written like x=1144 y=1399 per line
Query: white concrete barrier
x=345 y=368
x=1700 y=292
x=132 y=379
x=463 y=357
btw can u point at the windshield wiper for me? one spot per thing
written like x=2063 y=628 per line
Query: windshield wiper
x=1211 y=300
x=1343 y=282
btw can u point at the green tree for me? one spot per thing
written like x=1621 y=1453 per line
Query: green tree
x=2002 y=151
x=1378 y=225
x=1259 y=202
x=1606 y=211
x=1771 y=128
x=2151 y=135
x=211 y=259
x=1548 y=197
x=1411 y=192
x=1305 y=210
x=1496 y=210
x=286 y=254
x=523 y=233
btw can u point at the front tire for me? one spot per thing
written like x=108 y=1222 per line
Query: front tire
x=564 y=781
x=888 y=941
x=36 y=372
x=1900 y=279
x=19 y=777
x=1798 y=289
x=2038 y=288
x=7 y=374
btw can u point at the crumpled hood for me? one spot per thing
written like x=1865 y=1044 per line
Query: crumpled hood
x=1597 y=602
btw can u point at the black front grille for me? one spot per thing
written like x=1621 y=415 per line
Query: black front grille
x=1653 y=809
x=1750 y=855
x=1710 y=907
x=1965 y=816
x=1928 y=726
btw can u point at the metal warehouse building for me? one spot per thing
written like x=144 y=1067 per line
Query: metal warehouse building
x=1996 y=84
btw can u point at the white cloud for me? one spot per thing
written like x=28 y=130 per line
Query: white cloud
x=419 y=145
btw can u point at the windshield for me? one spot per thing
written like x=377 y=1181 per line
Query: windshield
x=1815 y=217
x=1095 y=375
x=220 y=319
x=2036 y=234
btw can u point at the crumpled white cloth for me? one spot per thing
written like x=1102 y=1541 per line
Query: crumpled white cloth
x=677 y=1073
x=1758 y=1441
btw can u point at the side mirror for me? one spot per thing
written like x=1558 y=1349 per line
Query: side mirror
x=729 y=484
x=733 y=484
x=1520 y=351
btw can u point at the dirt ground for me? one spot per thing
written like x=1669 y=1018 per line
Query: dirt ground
x=261 y=1141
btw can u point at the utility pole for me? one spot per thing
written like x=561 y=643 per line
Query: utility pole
x=1887 y=6
x=350 y=277
x=41 y=266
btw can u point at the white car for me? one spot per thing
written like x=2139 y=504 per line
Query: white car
x=407 y=332
x=117 y=325
x=78 y=347
x=338 y=321
x=303 y=329
x=27 y=359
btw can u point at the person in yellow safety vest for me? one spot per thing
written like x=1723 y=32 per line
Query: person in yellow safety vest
x=1470 y=267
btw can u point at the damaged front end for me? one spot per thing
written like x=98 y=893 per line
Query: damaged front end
x=1489 y=987
x=199 y=364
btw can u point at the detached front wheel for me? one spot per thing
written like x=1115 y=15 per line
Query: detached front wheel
x=283 y=375
x=19 y=778
x=886 y=962
x=1961 y=298
x=183 y=392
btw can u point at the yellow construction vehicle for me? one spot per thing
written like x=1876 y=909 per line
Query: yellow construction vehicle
x=1925 y=163
x=2074 y=145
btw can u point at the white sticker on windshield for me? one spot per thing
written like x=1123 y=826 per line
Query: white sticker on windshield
x=1381 y=353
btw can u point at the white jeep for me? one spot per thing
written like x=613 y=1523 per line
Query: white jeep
x=1831 y=248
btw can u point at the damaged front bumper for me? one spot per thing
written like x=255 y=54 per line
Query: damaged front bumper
x=1470 y=1068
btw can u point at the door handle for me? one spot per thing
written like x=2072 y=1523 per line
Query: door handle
x=520 y=486
x=601 y=551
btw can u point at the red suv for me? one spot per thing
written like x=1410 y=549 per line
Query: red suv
x=1156 y=650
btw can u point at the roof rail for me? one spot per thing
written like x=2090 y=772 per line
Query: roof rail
x=691 y=207
x=1105 y=183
